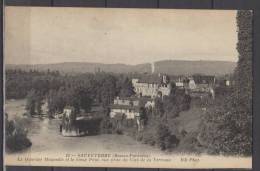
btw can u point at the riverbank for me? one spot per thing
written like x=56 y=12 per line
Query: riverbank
x=45 y=136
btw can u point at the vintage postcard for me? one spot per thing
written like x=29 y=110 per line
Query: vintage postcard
x=146 y=88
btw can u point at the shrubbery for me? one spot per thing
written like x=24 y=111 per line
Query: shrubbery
x=157 y=133
x=106 y=126
x=164 y=138
x=147 y=136
x=155 y=121
x=15 y=135
x=190 y=144
x=176 y=102
x=226 y=128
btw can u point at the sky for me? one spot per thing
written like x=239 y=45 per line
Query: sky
x=41 y=35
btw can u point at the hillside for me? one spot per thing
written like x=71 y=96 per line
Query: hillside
x=83 y=67
x=194 y=67
x=171 y=67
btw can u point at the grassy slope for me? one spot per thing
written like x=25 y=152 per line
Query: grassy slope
x=189 y=122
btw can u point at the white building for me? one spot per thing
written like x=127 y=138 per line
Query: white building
x=129 y=107
x=152 y=87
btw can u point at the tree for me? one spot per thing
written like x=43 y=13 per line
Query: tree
x=164 y=138
x=34 y=103
x=158 y=107
x=51 y=98
x=72 y=99
x=176 y=102
x=38 y=104
x=227 y=125
x=84 y=98
x=107 y=90
x=15 y=135
x=143 y=115
x=126 y=88
x=56 y=101
x=30 y=103
x=243 y=72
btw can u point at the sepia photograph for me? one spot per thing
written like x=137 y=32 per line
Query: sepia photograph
x=146 y=88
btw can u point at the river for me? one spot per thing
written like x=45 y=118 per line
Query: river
x=45 y=137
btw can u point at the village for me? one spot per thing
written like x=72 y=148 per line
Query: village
x=128 y=110
x=158 y=109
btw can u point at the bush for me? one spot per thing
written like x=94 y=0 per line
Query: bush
x=171 y=142
x=17 y=142
x=227 y=128
x=16 y=136
x=119 y=131
x=190 y=144
x=131 y=131
x=176 y=102
x=106 y=126
x=149 y=138
x=139 y=136
x=164 y=138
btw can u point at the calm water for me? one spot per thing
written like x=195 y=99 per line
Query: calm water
x=45 y=137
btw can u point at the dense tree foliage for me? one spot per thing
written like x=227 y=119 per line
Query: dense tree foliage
x=143 y=115
x=34 y=102
x=158 y=119
x=125 y=87
x=227 y=126
x=164 y=137
x=18 y=83
x=176 y=102
x=79 y=91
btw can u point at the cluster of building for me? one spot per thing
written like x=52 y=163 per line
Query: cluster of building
x=152 y=86
x=197 y=85
x=146 y=90
x=129 y=106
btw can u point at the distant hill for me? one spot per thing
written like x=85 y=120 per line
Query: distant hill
x=171 y=67
x=178 y=67
x=83 y=67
